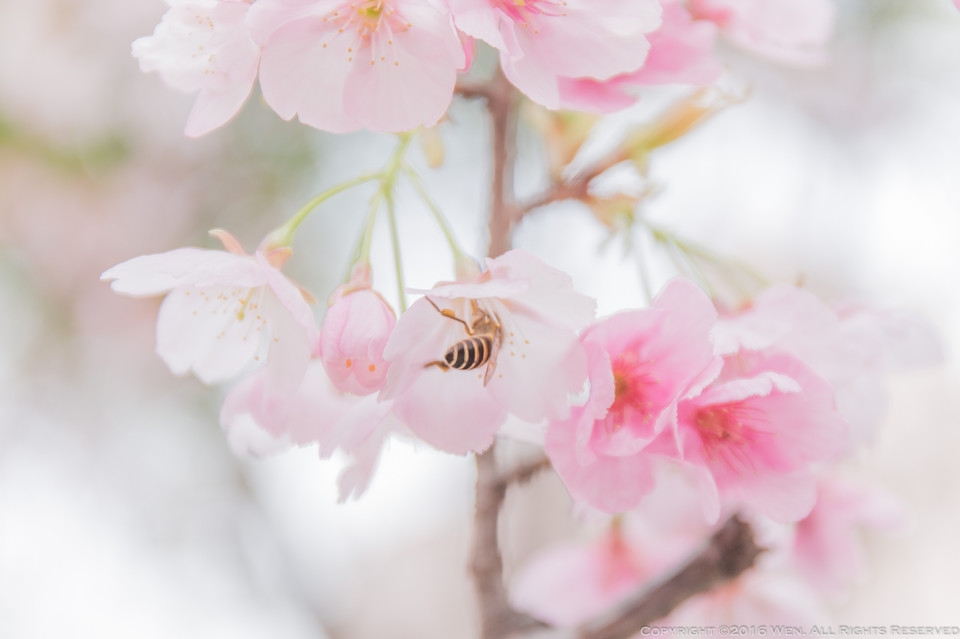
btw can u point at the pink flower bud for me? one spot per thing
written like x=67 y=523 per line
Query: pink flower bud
x=355 y=330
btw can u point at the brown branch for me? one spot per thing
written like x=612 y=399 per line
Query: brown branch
x=501 y=102
x=472 y=90
x=730 y=552
x=498 y=618
x=525 y=472
x=574 y=188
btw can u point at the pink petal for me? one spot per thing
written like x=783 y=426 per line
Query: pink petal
x=410 y=85
x=788 y=31
x=363 y=432
x=593 y=38
x=476 y=19
x=290 y=297
x=418 y=338
x=783 y=498
x=355 y=331
x=612 y=484
x=596 y=96
x=210 y=342
x=567 y=585
x=290 y=348
x=310 y=412
x=451 y=411
x=552 y=298
x=500 y=288
x=681 y=51
x=539 y=366
x=150 y=275
x=214 y=107
x=303 y=71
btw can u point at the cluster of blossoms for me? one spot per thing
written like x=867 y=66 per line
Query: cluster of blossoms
x=666 y=417
x=753 y=403
x=804 y=568
x=393 y=65
x=365 y=374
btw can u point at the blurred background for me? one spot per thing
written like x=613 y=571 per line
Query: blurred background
x=123 y=512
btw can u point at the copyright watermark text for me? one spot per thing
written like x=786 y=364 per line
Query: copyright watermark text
x=772 y=630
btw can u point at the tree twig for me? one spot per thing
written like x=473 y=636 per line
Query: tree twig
x=525 y=472
x=500 y=102
x=472 y=90
x=730 y=552
x=498 y=618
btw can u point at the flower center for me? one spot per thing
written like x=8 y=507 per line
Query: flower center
x=369 y=16
x=373 y=24
x=632 y=385
x=728 y=432
x=520 y=10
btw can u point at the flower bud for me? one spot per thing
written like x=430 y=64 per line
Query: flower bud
x=354 y=332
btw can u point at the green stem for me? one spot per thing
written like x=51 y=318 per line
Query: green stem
x=437 y=214
x=366 y=237
x=393 y=166
x=397 y=258
x=283 y=235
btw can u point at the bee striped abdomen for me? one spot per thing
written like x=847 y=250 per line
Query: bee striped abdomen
x=469 y=354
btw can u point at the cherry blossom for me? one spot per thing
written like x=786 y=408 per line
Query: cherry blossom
x=542 y=41
x=539 y=363
x=205 y=46
x=756 y=433
x=788 y=31
x=354 y=333
x=570 y=583
x=384 y=65
x=640 y=362
x=258 y=423
x=853 y=350
x=224 y=311
x=827 y=545
x=573 y=582
x=681 y=52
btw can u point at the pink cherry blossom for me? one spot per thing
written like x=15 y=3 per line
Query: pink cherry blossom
x=540 y=360
x=343 y=65
x=205 y=46
x=542 y=41
x=788 y=31
x=354 y=333
x=827 y=546
x=640 y=363
x=259 y=423
x=569 y=584
x=756 y=433
x=853 y=351
x=681 y=52
x=224 y=311
x=573 y=582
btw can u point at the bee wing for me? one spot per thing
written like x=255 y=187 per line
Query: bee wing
x=494 y=351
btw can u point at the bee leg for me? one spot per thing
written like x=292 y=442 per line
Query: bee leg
x=441 y=365
x=446 y=312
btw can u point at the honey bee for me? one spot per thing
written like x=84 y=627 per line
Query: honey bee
x=480 y=348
